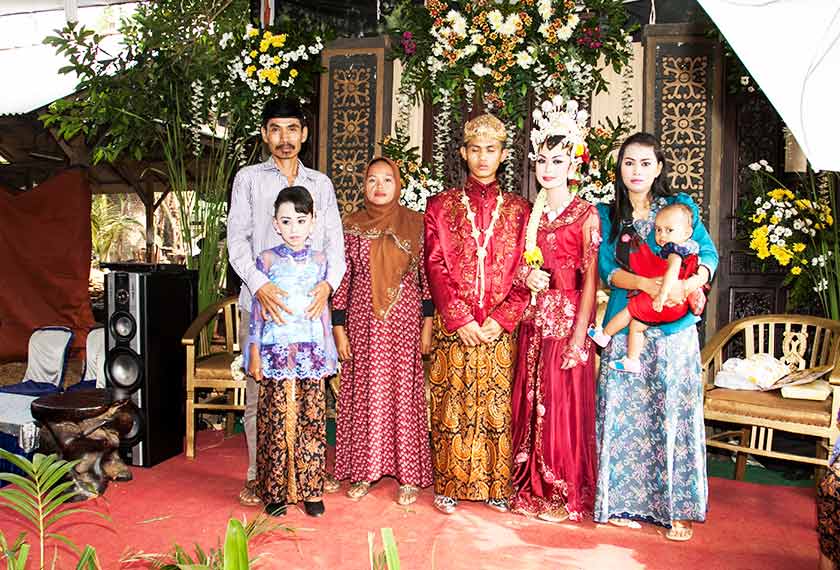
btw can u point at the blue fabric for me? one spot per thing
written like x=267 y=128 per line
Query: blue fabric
x=684 y=249
x=608 y=264
x=650 y=432
x=31 y=388
x=300 y=347
x=83 y=385
x=10 y=444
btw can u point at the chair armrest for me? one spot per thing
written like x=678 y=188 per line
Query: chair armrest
x=718 y=341
x=202 y=320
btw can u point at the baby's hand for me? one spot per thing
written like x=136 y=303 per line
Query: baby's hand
x=659 y=302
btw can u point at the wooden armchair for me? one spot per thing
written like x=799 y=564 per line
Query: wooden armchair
x=799 y=340
x=208 y=366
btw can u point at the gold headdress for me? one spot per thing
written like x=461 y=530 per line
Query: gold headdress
x=485 y=126
x=557 y=118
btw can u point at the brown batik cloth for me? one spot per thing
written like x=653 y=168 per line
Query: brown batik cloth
x=828 y=513
x=470 y=393
x=291 y=441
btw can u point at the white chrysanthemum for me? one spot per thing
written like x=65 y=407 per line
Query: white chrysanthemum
x=480 y=69
x=459 y=23
x=755 y=167
x=544 y=9
x=495 y=19
x=510 y=25
x=524 y=59
x=469 y=50
x=564 y=33
x=573 y=21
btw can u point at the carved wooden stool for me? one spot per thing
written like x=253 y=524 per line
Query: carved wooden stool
x=86 y=425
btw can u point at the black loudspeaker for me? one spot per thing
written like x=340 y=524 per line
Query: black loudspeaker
x=149 y=308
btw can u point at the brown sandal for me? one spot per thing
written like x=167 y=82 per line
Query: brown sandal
x=358 y=490
x=407 y=495
x=248 y=495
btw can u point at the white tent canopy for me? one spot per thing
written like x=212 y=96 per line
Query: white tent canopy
x=792 y=50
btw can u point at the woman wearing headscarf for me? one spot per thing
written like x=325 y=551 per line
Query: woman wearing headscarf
x=382 y=323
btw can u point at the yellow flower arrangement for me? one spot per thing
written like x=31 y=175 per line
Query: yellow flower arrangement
x=795 y=229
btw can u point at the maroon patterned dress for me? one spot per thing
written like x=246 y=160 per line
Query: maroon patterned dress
x=382 y=422
x=553 y=410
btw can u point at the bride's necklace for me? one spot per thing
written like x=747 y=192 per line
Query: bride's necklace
x=561 y=207
x=481 y=247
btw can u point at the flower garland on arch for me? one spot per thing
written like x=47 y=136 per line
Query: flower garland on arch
x=453 y=49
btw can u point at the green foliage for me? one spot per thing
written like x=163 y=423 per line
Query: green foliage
x=388 y=558
x=108 y=222
x=233 y=555
x=454 y=49
x=187 y=89
x=39 y=496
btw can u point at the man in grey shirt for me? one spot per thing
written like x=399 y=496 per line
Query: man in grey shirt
x=249 y=232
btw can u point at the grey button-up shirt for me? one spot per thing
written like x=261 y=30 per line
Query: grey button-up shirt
x=249 y=228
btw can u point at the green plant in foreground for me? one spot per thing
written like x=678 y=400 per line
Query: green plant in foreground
x=232 y=556
x=388 y=558
x=40 y=496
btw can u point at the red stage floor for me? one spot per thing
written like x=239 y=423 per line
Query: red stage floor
x=749 y=526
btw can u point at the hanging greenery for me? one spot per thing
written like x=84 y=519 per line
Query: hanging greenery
x=186 y=88
x=500 y=54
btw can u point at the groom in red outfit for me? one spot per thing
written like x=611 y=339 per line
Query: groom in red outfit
x=474 y=239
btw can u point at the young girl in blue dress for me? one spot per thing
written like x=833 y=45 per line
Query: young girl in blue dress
x=290 y=360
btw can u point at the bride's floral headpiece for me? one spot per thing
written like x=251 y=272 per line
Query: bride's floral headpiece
x=556 y=118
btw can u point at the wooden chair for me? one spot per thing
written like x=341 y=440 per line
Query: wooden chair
x=800 y=341
x=208 y=366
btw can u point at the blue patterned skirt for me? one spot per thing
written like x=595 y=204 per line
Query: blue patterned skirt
x=650 y=432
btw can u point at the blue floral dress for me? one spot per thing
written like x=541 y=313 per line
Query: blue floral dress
x=300 y=348
x=649 y=426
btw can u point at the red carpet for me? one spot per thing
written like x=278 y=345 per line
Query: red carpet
x=749 y=526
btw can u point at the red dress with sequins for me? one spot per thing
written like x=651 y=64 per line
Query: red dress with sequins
x=553 y=409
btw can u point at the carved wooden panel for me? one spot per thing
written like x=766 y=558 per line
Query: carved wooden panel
x=355 y=112
x=682 y=107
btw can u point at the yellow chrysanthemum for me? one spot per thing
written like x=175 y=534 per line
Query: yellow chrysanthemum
x=782 y=255
x=759 y=217
x=293 y=73
x=795 y=270
x=253 y=53
x=781 y=194
x=774 y=220
x=799 y=247
x=279 y=41
x=264 y=46
x=253 y=32
x=534 y=257
x=249 y=71
x=276 y=59
x=267 y=35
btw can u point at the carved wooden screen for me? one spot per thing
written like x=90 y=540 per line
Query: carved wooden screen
x=355 y=113
x=682 y=108
x=753 y=131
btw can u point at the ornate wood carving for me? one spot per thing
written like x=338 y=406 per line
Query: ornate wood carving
x=683 y=109
x=355 y=113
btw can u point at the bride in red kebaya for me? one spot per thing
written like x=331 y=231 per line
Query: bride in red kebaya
x=553 y=395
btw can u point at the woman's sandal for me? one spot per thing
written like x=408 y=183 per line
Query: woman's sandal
x=557 y=515
x=331 y=484
x=358 y=490
x=624 y=523
x=248 y=495
x=407 y=495
x=680 y=531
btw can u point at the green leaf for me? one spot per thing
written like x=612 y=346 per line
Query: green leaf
x=20 y=462
x=65 y=540
x=390 y=544
x=88 y=560
x=236 y=547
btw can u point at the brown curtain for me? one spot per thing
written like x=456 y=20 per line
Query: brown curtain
x=45 y=252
